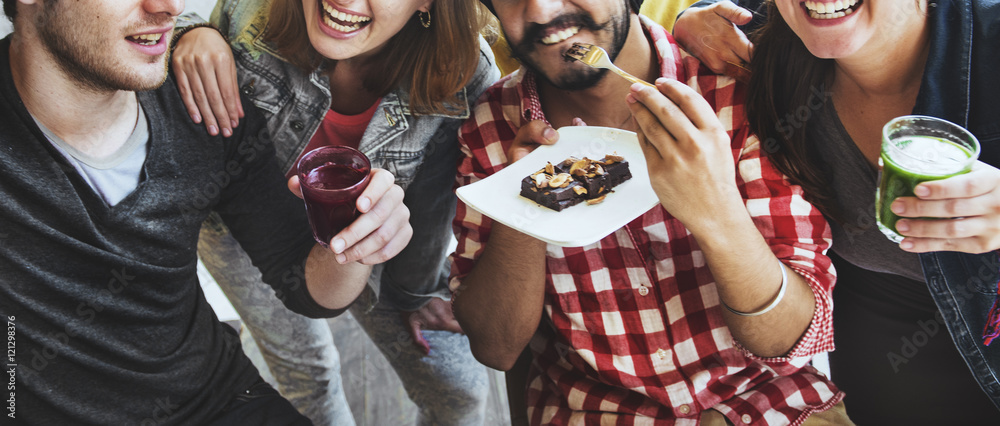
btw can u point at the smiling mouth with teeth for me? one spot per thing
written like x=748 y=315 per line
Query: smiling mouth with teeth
x=838 y=9
x=343 y=22
x=560 y=35
x=145 y=39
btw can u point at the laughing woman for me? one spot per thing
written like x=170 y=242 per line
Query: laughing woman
x=911 y=320
x=393 y=78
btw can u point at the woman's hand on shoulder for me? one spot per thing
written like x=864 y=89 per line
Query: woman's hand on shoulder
x=206 y=77
x=968 y=208
x=710 y=34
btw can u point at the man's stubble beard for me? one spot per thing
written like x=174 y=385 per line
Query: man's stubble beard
x=84 y=62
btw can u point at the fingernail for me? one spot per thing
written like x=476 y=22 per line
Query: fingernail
x=227 y=132
x=196 y=118
x=364 y=203
x=338 y=245
x=635 y=87
x=212 y=130
x=905 y=245
x=902 y=226
x=921 y=191
x=898 y=207
x=630 y=99
x=549 y=134
x=234 y=123
x=341 y=259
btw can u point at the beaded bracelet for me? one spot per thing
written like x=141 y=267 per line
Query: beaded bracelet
x=777 y=299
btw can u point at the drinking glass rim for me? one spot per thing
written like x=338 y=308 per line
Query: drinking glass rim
x=313 y=152
x=973 y=155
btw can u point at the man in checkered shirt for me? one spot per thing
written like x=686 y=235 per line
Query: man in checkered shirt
x=706 y=308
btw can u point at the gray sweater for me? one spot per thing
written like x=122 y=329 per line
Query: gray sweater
x=111 y=325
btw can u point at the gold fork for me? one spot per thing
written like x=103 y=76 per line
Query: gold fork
x=596 y=57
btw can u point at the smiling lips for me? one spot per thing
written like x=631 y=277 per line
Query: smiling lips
x=831 y=10
x=560 y=35
x=145 y=39
x=343 y=21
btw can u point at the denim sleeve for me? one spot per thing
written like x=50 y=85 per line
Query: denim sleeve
x=265 y=218
x=419 y=272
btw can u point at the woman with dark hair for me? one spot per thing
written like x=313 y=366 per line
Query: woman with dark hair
x=393 y=78
x=825 y=77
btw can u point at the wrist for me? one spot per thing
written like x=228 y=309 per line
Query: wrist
x=724 y=215
x=181 y=31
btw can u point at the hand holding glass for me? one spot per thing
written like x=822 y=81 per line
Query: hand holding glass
x=332 y=178
x=918 y=149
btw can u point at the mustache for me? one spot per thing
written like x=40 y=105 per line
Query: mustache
x=153 y=21
x=534 y=32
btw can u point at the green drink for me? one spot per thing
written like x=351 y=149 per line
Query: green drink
x=917 y=149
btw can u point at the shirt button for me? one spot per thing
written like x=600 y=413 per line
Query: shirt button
x=684 y=409
x=643 y=290
x=746 y=418
x=298 y=125
x=661 y=353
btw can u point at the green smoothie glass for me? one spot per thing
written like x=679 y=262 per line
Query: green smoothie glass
x=917 y=149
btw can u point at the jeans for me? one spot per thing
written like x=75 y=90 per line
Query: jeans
x=448 y=386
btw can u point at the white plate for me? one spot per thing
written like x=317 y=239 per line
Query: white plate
x=498 y=196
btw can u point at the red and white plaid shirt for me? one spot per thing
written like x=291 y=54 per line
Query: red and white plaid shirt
x=635 y=331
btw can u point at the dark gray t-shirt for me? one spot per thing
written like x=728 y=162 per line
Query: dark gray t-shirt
x=892 y=351
x=854 y=181
x=110 y=323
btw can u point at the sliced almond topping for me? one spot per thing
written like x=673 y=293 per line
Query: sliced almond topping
x=597 y=200
x=579 y=165
x=549 y=169
x=579 y=190
x=599 y=170
x=560 y=180
x=609 y=159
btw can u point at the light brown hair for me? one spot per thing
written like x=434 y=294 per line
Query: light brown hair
x=431 y=64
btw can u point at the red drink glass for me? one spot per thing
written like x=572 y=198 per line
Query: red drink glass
x=332 y=178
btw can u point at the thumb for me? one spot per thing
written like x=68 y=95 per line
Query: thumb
x=536 y=132
x=293 y=185
x=733 y=13
x=418 y=336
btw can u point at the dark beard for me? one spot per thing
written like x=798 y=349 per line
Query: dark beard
x=581 y=78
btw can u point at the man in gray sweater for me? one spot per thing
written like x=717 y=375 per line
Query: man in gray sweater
x=105 y=183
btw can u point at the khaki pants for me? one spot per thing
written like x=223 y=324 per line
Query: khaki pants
x=835 y=416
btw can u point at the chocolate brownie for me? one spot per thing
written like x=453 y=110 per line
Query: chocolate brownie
x=574 y=180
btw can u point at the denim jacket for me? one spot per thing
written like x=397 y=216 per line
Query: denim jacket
x=959 y=85
x=421 y=151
